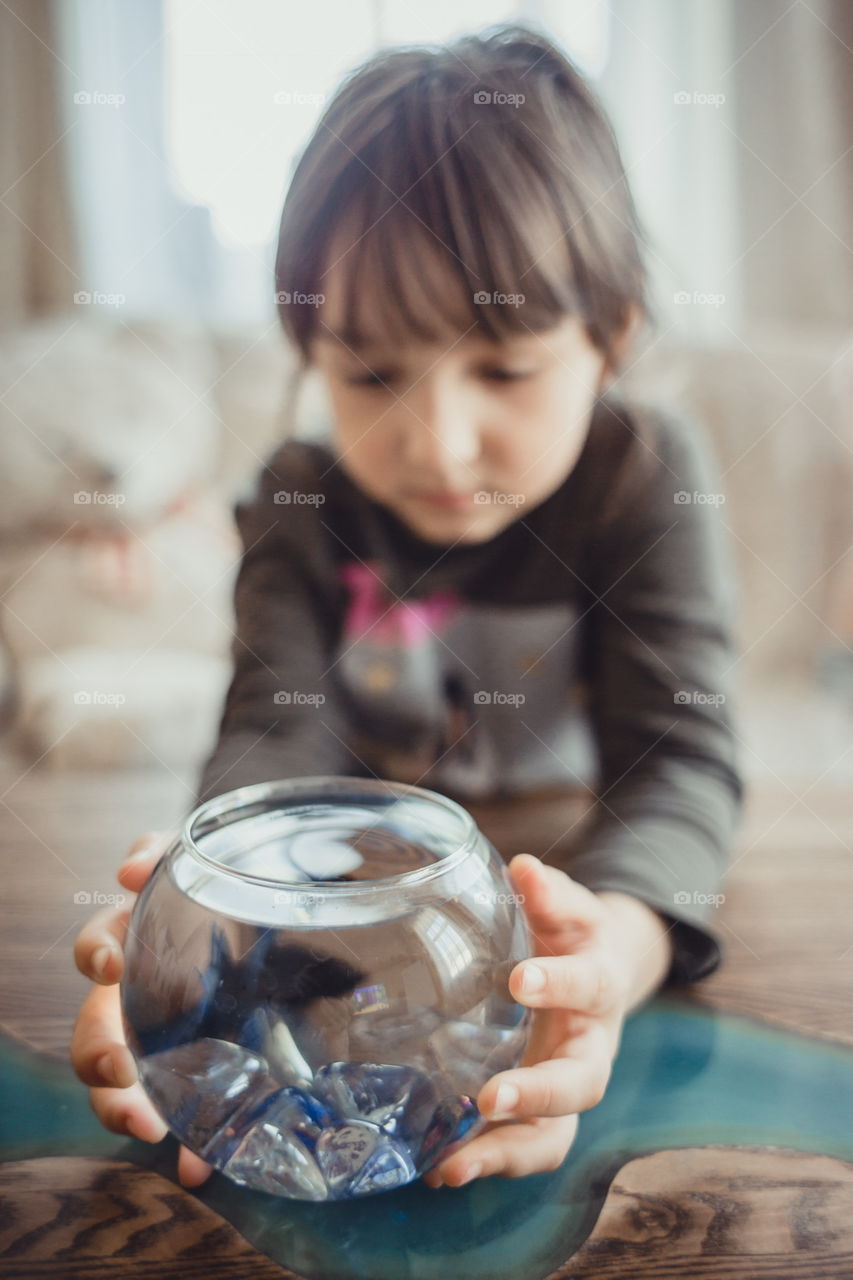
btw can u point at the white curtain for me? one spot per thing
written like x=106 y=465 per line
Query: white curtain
x=794 y=88
x=144 y=250
x=678 y=153
x=185 y=119
x=735 y=122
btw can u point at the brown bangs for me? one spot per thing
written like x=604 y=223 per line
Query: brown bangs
x=457 y=191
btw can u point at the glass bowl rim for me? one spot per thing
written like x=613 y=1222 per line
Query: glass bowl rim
x=281 y=788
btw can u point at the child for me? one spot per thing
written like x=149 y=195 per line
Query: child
x=493 y=576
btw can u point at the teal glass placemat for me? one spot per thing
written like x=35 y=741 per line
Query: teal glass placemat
x=685 y=1077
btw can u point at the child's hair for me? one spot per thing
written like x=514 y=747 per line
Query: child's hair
x=494 y=153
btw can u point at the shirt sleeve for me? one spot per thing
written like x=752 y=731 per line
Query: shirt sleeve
x=660 y=661
x=283 y=715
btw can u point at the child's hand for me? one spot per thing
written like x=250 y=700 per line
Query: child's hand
x=99 y=1053
x=575 y=1037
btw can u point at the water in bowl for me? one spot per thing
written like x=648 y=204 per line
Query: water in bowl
x=317 y=1062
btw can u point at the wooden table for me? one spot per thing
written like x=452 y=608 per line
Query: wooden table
x=728 y=1178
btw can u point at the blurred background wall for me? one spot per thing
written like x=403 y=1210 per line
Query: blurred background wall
x=146 y=148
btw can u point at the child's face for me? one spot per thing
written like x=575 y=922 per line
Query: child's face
x=461 y=438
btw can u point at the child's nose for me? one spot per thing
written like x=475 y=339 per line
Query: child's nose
x=442 y=437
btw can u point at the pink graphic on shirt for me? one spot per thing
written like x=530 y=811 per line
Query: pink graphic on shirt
x=389 y=621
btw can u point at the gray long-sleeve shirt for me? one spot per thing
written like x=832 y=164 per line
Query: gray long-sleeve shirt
x=589 y=643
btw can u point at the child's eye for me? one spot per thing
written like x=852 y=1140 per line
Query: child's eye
x=379 y=378
x=385 y=377
x=507 y=375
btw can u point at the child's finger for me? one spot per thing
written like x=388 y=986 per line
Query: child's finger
x=585 y=983
x=553 y=902
x=150 y=841
x=512 y=1150
x=128 y=1111
x=556 y=1087
x=98 y=1052
x=192 y=1170
x=99 y=946
x=124 y=1108
x=143 y=856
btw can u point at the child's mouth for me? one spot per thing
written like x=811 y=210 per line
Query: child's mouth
x=445 y=501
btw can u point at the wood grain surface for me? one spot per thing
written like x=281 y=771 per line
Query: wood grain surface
x=109 y=1220
x=715 y=1212
x=719 y=1213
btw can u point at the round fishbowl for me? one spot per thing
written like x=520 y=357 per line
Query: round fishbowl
x=316 y=983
